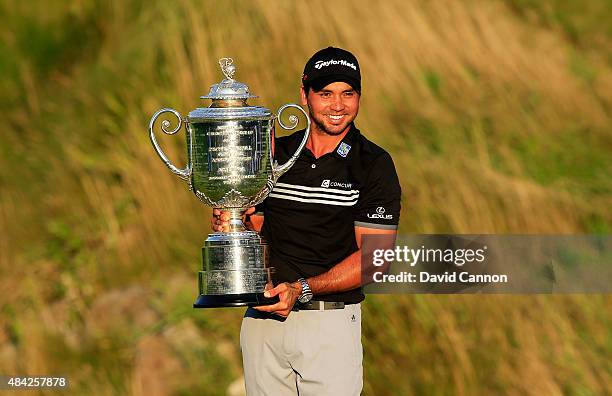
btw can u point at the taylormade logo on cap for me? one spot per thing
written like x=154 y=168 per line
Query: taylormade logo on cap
x=342 y=62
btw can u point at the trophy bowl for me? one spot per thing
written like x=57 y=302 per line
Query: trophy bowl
x=230 y=166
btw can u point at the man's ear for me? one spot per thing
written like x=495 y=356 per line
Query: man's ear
x=303 y=96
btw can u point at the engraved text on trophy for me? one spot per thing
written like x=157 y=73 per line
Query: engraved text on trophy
x=230 y=154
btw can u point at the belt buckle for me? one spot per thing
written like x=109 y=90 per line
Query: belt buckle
x=316 y=305
x=336 y=305
x=312 y=305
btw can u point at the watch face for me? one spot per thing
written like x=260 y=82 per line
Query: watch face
x=305 y=298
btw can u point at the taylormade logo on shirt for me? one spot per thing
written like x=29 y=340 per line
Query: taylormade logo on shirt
x=342 y=62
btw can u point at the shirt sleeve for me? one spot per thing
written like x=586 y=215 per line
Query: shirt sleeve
x=379 y=200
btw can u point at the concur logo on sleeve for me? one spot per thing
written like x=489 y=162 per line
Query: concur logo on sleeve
x=380 y=214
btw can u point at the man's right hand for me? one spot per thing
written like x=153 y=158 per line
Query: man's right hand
x=220 y=220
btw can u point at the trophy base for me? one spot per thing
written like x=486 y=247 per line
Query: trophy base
x=233 y=300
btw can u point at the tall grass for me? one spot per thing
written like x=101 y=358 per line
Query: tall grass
x=497 y=115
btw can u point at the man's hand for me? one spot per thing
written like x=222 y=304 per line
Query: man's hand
x=220 y=220
x=288 y=294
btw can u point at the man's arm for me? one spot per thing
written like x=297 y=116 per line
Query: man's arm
x=344 y=276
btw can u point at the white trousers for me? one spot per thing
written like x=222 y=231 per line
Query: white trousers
x=309 y=353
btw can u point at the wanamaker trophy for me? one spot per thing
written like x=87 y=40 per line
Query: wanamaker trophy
x=230 y=166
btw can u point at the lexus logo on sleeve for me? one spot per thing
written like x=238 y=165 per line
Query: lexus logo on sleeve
x=380 y=214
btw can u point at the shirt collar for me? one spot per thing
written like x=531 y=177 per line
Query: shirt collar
x=342 y=150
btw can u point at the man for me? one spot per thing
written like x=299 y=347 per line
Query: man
x=341 y=187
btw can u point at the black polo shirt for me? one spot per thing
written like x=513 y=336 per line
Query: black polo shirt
x=311 y=214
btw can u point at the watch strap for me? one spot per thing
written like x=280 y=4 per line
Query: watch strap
x=306 y=294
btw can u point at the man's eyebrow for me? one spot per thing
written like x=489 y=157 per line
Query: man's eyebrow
x=330 y=91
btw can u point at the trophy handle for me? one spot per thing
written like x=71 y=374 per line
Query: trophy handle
x=182 y=173
x=279 y=170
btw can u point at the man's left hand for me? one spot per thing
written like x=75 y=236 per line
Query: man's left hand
x=288 y=294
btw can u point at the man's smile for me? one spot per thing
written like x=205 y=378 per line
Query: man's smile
x=336 y=117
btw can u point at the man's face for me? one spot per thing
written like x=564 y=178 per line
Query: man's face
x=333 y=108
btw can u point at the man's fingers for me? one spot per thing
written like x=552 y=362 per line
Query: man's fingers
x=224 y=215
x=219 y=222
x=219 y=225
x=275 y=290
x=213 y=222
x=250 y=210
x=269 y=308
x=280 y=308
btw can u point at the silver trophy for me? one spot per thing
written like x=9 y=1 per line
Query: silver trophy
x=230 y=166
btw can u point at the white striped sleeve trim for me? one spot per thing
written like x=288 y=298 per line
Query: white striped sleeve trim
x=319 y=189
x=313 y=200
x=318 y=195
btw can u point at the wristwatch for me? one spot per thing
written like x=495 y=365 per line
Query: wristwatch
x=306 y=295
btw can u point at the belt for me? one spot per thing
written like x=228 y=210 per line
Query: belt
x=318 y=306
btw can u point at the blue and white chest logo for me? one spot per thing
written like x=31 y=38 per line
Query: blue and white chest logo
x=343 y=149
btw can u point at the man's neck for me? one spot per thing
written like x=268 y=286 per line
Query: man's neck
x=321 y=143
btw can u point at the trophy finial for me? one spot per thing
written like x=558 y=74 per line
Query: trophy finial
x=228 y=88
x=227 y=67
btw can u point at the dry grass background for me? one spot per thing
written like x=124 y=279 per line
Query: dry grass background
x=497 y=114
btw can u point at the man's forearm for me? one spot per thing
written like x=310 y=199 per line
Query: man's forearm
x=347 y=274
x=344 y=276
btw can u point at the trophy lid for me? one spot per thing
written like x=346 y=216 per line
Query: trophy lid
x=203 y=114
x=228 y=88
